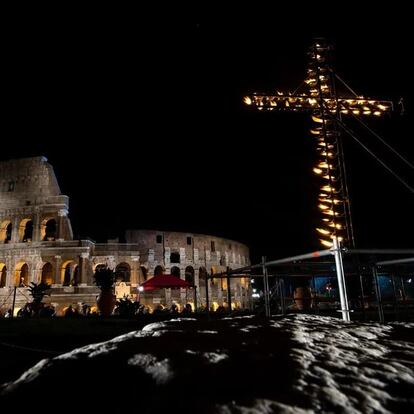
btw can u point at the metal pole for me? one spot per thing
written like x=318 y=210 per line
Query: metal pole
x=266 y=287
x=395 y=297
x=14 y=301
x=314 y=303
x=381 y=251
x=396 y=261
x=378 y=294
x=402 y=288
x=361 y=283
x=282 y=295
x=229 y=294
x=195 y=298
x=341 y=280
x=277 y=293
x=312 y=255
x=207 y=301
x=403 y=296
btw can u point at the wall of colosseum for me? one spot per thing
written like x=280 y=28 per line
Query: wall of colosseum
x=36 y=244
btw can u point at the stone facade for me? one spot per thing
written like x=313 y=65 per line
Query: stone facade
x=36 y=244
x=191 y=257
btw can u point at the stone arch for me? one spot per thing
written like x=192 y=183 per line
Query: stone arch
x=48 y=229
x=75 y=279
x=159 y=270
x=3 y=275
x=21 y=274
x=123 y=272
x=189 y=275
x=144 y=273
x=99 y=265
x=213 y=270
x=47 y=273
x=37 y=267
x=5 y=231
x=67 y=272
x=175 y=271
x=25 y=230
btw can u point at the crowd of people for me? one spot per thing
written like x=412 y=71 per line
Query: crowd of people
x=124 y=308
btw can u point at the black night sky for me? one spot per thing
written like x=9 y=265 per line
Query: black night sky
x=145 y=127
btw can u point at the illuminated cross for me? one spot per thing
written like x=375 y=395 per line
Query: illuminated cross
x=326 y=109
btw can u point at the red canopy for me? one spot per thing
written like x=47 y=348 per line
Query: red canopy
x=164 y=281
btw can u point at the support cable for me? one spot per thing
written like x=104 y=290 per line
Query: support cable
x=352 y=135
x=344 y=83
x=299 y=87
x=368 y=128
x=384 y=142
x=7 y=298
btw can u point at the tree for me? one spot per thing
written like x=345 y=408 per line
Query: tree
x=37 y=292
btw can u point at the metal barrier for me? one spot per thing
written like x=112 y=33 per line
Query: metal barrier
x=369 y=283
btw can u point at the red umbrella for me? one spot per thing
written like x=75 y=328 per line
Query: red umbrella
x=164 y=281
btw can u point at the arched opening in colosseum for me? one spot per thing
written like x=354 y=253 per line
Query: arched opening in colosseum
x=202 y=277
x=67 y=272
x=189 y=275
x=48 y=229
x=5 y=231
x=144 y=273
x=47 y=274
x=75 y=280
x=3 y=275
x=213 y=270
x=175 y=257
x=123 y=273
x=175 y=271
x=26 y=230
x=21 y=274
x=159 y=270
x=99 y=266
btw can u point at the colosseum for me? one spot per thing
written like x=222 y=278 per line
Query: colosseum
x=37 y=245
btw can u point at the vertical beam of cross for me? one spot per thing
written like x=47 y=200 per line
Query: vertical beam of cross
x=333 y=199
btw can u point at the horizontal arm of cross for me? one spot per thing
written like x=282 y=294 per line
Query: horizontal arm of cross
x=300 y=103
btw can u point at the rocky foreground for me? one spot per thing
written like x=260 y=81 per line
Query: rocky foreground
x=296 y=364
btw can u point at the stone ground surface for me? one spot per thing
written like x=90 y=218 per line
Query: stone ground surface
x=296 y=364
